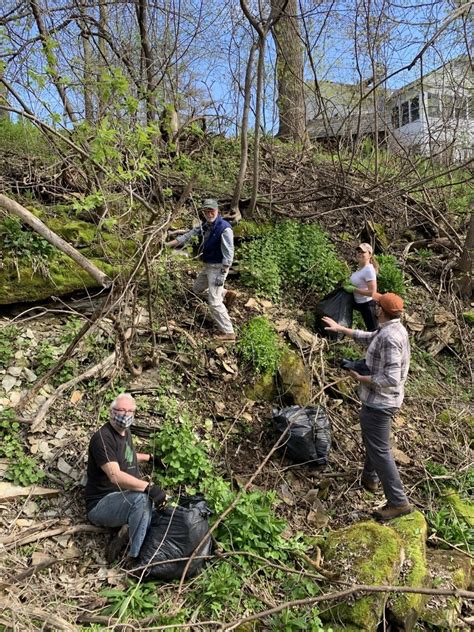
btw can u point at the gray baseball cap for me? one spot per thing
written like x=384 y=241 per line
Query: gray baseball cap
x=210 y=203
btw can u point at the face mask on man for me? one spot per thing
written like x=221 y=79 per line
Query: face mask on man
x=122 y=419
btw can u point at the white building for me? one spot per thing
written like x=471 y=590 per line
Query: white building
x=430 y=116
x=435 y=116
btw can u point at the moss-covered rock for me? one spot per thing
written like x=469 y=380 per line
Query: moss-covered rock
x=405 y=608
x=463 y=508
x=263 y=390
x=446 y=569
x=294 y=379
x=364 y=553
x=74 y=231
x=64 y=277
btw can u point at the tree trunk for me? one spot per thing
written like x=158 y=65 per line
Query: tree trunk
x=244 y=134
x=37 y=225
x=289 y=69
x=147 y=59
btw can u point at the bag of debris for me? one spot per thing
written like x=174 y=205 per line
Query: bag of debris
x=308 y=437
x=173 y=534
x=359 y=366
x=338 y=305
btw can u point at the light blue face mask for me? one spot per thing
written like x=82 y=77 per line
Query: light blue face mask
x=122 y=420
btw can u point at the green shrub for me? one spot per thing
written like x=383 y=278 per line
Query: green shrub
x=292 y=256
x=390 y=277
x=260 y=346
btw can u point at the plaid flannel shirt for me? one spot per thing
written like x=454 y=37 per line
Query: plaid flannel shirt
x=388 y=358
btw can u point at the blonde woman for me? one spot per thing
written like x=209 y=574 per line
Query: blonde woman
x=363 y=285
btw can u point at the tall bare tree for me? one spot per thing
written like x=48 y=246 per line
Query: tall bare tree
x=289 y=71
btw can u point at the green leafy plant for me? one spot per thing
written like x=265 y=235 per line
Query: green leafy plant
x=452 y=528
x=260 y=346
x=292 y=256
x=185 y=458
x=22 y=469
x=8 y=336
x=135 y=602
x=390 y=277
x=424 y=255
x=219 y=588
x=25 y=246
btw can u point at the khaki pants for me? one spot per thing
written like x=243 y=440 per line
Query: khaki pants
x=206 y=283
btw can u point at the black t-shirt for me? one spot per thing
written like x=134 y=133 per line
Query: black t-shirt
x=108 y=445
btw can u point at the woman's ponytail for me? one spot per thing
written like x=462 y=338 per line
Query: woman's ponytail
x=374 y=262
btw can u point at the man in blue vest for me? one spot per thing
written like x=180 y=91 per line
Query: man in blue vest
x=217 y=252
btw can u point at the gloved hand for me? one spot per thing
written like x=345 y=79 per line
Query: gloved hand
x=155 y=461
x=348 y=287
x=156 y=495
x=220 y=278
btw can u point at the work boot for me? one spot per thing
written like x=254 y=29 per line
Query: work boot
x=223 y=337
x=368 y=484
x=117 y=544
x=389 y=512
x=229 y=298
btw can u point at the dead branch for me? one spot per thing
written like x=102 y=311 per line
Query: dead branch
x=53 y=622
x=43 y=535
x=35 y=568
x=353 y=590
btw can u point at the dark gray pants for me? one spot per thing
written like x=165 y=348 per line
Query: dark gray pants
x=379 y=462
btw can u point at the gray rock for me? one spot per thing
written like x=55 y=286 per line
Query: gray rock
x=15 y=397
x=64 y=467
x=14 y=370
x=8 y=382
x=30 y=375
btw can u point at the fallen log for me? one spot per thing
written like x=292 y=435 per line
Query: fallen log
x=58 y=242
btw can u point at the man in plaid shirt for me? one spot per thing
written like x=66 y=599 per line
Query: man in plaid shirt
x=381 y=393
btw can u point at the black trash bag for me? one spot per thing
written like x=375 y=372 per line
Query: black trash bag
x=339 y=306
x=174 y=533
x=359 y=366
x=309 y=435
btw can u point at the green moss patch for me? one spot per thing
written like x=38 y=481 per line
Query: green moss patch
x=412 y=529
x=364 y=553
x=295 y=379
x=76 y=232
x=64 y=277
x=264 y=389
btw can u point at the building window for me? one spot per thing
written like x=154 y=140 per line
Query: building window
x=395 y=117
x=415 y=109
x=405 y=113
x=433 y=106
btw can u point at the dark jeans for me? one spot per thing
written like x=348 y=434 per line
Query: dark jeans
x=367 y=310
x=127 y=507
x=379 y=462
